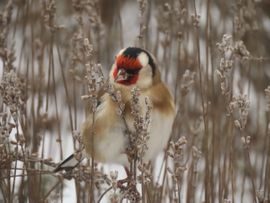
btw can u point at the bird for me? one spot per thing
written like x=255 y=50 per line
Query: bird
x=104 y=138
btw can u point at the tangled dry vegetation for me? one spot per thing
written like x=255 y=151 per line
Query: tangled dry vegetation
x=214 y=55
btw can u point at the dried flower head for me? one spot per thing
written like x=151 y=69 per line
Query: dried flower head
x=246 y=141
x=49 y=14
x=141 y=124
x=227 y=201
x=239 y=107
x=196 y=153
x=195 y=20
x=145 y=176
x=267 y=97
x=142 y=6
x=245 y=18
x=5 y=18
x=12 y=89
x=176 y=151
x=94 y=76
x=230 y=50
x=116 y=97
x=187 y=81
x=5 y=129
x=113 y=176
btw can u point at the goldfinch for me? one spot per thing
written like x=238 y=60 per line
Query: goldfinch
x=105 y=138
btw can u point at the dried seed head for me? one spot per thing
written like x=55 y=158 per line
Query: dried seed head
x=12 y=88
x=196 y=153
x=114 y=175
x=239 y=107
x=141 y=123
x=267 y=97
x=187 y=82
x=195 y=20
x=229 y=50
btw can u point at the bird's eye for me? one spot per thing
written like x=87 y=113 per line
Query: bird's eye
x=132 y=71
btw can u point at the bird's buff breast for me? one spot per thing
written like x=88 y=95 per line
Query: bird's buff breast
x=110 y=141
x=112 y=147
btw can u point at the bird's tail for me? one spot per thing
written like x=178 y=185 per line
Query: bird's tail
x=70 y=162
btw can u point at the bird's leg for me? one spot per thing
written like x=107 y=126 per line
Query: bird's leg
x=125 y=180
x=130 y=188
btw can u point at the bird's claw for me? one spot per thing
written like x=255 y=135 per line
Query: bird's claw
x=130 y=189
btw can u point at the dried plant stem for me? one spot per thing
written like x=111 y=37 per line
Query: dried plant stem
x=231 y=174
x=51 y=63
x=250 y=171
x=66 y=89
x=92 y=189
x=104 y=193
x=15 y=170
x=204 y=108
x=52 y=189
x=164 y=176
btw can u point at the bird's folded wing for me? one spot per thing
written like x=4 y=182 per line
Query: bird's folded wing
x=69 y=163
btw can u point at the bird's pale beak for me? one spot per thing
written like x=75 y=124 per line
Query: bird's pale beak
x=121 y=75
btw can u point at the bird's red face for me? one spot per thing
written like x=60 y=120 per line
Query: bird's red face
x=126 y=71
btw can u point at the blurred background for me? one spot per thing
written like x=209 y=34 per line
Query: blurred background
x=214 y=56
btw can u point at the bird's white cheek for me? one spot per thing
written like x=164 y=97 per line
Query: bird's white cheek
x=143 y=58
x=145 y=78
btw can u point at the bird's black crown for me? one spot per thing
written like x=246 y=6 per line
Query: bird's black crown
x=133 y=52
